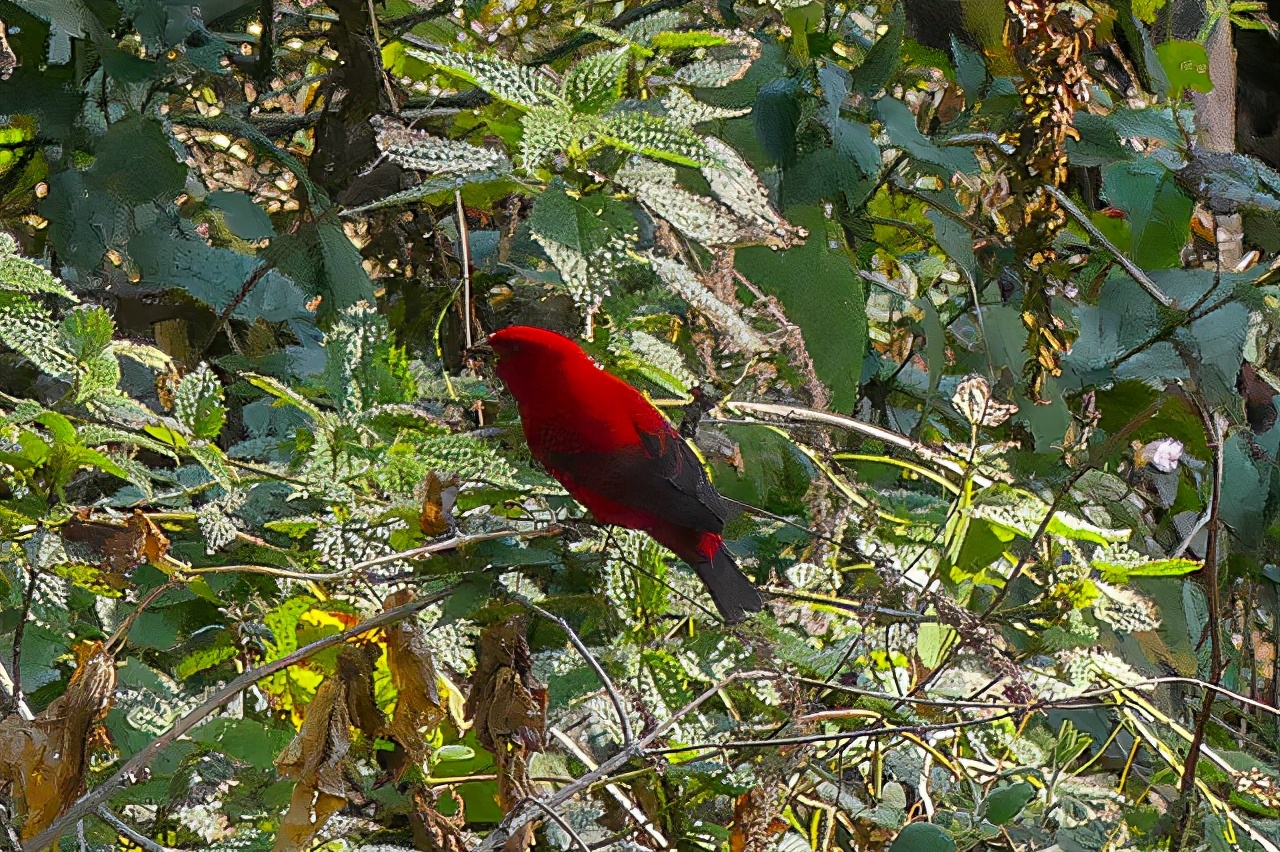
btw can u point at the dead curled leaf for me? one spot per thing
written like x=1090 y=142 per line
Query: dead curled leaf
x=508 y=706
x=438 y=499
x=121 y=549
x=319 y=757
x=432 y=830
x=419 y=708
x=43 y=760
x=756 y=820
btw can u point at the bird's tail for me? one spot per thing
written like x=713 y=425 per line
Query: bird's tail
x=730 y=589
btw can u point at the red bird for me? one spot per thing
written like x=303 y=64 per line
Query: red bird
x=618 y=456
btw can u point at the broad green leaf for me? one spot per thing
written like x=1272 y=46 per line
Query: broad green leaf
x=1006 y=803
x=198 y=403
x=1186 y=64
x=885 y=56
x=923 y=837
x=136 y=162
x=777 y=115
x=822 y=294
x=244 y=218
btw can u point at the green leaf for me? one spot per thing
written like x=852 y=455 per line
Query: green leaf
x=137 y=164
x=323 y=262
x=900 y=123
x=1157 y=568
x=87 y=332
x=245 y=219
x=244 y=739
x=885 y=56
x=515 y=84
x=596 y=82
x=198 y=403
x=1006 y=803
x=19 y=275
x=822 y=294
x=1186 y=64
x=971 y=69
x=923 y=837
x=1159 y=213
x=686 y=40
x=777 y=116
x=654 y=135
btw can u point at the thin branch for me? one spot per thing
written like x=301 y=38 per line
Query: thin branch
x=251 y=282
x=630 y=806
x=118 y=635
x=838 y=736
x=464 y=244
x=425 y=551
x=518 y=816
x=560 y=821
x=1135 y=271
x=888 y=436
x=1216 y=433
x=628 y=735
x=135 y=768
x=125 y=830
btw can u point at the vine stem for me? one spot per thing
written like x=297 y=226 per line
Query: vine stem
x=135 y=768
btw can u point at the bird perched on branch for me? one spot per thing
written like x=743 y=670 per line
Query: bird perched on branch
x=618 y=456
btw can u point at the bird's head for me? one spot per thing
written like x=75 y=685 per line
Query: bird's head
x=528 y=357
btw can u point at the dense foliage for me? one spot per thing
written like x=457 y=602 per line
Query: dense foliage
x=956 y=324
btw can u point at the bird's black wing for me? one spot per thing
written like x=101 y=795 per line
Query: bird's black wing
x=661 y=476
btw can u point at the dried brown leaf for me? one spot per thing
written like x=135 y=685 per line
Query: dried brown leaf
x=419 y=708
x=432 y=830
x=438 y=499
x=522 y=839
x=756 y=820
x=43 y=761
x=508 y=707
x=317 y=757
x=355 y=668
x=139 y=541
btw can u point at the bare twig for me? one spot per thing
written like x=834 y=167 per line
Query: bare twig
x=133 y=769
x=125 y=830
x=464 y=244
x=560 y=821
x=1215 y=430
x=245 y=289
x=118 y=635
x=888 y=436
x=425 y=551
x=1135 y=271
x=628 y=735
x=838 y=736
x=518 y=816
x=614 y=790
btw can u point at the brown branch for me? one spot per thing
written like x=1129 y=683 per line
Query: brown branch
x=1216 y=433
